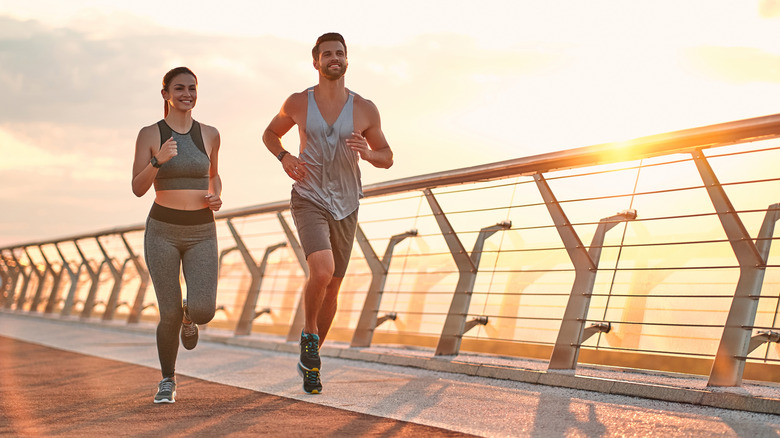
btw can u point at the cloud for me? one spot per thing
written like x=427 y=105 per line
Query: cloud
x=17 y=153
x=67 y=76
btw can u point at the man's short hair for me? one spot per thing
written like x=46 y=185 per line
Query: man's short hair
x=330 y=36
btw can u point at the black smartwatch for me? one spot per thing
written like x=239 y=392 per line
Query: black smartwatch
x=281 y=155
x=155 y=163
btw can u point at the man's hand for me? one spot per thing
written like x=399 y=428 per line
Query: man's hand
x=295 y=168
x=359 y=144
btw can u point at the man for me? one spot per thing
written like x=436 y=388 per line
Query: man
x=337 y=128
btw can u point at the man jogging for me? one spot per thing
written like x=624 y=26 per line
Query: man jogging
x=337 y=129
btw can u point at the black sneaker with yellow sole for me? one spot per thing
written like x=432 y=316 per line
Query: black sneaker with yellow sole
x=309 y=364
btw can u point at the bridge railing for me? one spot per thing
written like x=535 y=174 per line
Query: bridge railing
x=654 y=253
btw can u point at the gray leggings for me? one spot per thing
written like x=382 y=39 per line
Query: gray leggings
x=170 y=248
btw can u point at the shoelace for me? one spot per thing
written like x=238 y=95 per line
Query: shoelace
x=166 y=385
x=312 y=377
x=189 y=329
x=310 y=348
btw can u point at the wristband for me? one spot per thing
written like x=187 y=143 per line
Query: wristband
x=155 y=163
x=281 y=155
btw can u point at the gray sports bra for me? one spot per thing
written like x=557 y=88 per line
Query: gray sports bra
x=189 y=169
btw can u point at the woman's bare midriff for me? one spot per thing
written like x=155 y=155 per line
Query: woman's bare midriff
x=182 y=199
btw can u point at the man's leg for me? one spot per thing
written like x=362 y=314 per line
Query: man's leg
x=342 y=237
x=320 y=276
x=328 y=307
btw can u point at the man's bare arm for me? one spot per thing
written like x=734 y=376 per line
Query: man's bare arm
x=371 y=143
x=279 y=126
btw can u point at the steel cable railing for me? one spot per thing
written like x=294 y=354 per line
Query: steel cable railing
x=654 y=253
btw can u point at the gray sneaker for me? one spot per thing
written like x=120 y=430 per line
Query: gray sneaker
x=189 y=331
x=166 y=391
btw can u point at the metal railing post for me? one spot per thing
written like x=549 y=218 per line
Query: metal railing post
x=54 y=294
x=18 y=272
x=117 y=274
x=249 y=311
x=455 y=324
x=572 y=331
x=567 y=344
x=41 y=275
x=254 y=273
x=94 y=275
x=729 y=364
x=298 y=319
x=10 y=274
x=762 y=337
x=14 y=271
x=450 y=339
x=5 y=278
x=224 y=253
x=368 y=320
x=138 y=303
x=70 y=298
x=22 y=295
x=250 y=306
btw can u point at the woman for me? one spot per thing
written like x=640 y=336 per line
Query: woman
x=179 y=156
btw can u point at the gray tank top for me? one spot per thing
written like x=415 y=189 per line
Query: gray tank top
x=333 y=178
x=189 y=169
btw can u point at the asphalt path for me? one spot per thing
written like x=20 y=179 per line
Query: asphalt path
x=50 y=392
x=62 y=378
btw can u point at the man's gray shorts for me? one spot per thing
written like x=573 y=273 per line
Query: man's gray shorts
x=318 y=231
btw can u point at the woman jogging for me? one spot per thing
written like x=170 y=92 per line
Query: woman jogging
x=178 y=156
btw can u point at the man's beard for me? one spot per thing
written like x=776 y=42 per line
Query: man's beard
x=333 y=76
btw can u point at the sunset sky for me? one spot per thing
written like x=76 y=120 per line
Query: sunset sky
x=458 y=83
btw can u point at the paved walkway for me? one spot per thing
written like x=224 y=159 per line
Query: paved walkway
x=72 y=378
x=49 y=392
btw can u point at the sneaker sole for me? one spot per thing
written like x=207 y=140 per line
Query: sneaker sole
x=166 y=400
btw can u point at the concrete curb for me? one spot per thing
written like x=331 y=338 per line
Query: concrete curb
x=718 y=398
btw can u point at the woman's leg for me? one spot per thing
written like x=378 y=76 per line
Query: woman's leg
x=163 y=261
x=200 y=262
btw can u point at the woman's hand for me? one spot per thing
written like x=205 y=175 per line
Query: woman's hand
x=167 y=151
x=214 y=201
